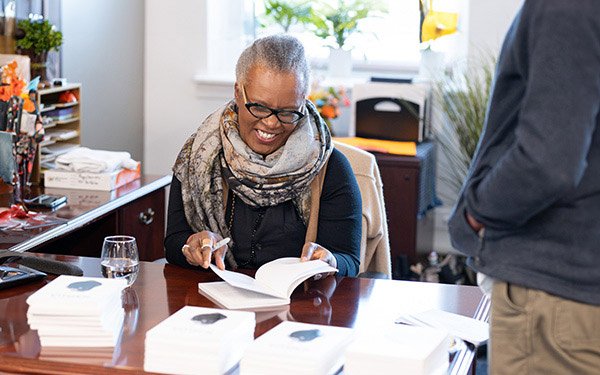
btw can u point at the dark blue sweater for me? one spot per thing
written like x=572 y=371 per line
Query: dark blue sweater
x=535 y=179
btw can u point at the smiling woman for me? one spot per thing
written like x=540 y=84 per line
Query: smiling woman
x=262 y=171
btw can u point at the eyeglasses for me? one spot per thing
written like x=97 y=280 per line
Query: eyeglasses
x=261 y=112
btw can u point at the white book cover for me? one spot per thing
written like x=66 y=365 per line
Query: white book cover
x=194 y=324
x=277 y=278
x=196 y=335
x=400 y=349
x=297 y=348
x=76 y=295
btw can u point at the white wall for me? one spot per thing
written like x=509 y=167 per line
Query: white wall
x=488 y=22
x=103 y=49
x=180 y=46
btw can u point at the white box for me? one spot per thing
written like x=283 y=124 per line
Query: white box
x=90 y=181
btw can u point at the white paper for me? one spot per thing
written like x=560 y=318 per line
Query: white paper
x=468 y=329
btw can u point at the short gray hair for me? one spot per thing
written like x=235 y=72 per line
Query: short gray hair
x=280 y=53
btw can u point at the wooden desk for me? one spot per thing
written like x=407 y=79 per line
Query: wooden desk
x=137 y=209
x=162 y=289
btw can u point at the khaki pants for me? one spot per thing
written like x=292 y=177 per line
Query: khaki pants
x=533 y=332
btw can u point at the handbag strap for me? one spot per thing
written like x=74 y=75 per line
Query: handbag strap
x=316 y=187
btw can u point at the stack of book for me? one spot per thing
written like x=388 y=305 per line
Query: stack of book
x=399 y=349
x=297 y=348
x=198 y=340
x=78 y=312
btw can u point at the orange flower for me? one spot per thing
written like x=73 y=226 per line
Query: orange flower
x=328 y=111
x=28 y=105
x=14 y=84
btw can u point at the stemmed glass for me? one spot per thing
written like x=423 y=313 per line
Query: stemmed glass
x=120 y=258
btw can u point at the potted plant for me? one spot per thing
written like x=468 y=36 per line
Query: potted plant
x=286 y=13
x=461 y=99
x=337 y=24
x=40 y=37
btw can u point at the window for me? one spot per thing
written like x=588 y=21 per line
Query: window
x=386 y=42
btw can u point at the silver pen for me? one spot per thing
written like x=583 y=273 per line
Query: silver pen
x=214 y=247
x=218 y=245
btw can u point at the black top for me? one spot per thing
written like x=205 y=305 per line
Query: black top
x=263 y=234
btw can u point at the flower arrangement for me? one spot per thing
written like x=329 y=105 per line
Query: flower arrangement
x=19 y=115
x=328 y=102
x=435 y=24
x=12 y=84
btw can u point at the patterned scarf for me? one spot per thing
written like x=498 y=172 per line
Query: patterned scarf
x=217 y=151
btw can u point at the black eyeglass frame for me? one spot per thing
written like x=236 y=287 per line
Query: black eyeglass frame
x=275 y=112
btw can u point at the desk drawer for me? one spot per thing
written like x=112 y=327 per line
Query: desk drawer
x=145 y=220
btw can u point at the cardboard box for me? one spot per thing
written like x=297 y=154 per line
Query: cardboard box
x=91 y=181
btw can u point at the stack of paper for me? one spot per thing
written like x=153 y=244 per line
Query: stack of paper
x=297 y=348
x=198 y=340
x=399 y=349
x=76 y=311
x=89 y=356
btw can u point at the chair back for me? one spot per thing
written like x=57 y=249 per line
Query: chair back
x=375 y=244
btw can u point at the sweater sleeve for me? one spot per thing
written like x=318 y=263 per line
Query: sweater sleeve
x=340 y=215
x=178 y=229
x=556 y=120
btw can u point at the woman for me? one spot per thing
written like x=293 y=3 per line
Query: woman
x=258 y=156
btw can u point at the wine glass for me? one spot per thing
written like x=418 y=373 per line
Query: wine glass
x=120 y=258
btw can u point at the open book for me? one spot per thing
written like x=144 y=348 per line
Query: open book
x=273 y=284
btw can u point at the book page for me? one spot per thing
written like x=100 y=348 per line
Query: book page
x=231 y=297
x=244 y=281
x=283 y=275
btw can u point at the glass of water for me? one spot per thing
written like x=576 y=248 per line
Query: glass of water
x=120 y=258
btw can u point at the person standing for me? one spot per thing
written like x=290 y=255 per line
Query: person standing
x=528 y=215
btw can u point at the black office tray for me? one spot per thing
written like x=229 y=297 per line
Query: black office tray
x=17 y=275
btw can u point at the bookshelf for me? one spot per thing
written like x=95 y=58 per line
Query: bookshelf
x=62 y=125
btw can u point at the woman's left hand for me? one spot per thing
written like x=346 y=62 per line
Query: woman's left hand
x=313 y=251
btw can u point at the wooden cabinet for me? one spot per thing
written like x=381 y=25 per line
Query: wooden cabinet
x=62 y=125
x=136 y=209
x=400 y=177
x=143 y=218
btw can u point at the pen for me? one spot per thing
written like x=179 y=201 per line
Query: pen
x=214 y=247
x=218 y=245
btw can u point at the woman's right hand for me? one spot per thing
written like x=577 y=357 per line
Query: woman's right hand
x=197 y=250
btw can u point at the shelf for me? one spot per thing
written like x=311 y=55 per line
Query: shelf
x=53 y=106
x=67 y=121
x=47 y=142
x=47 y=108
x=62 y=135
x=65 y=105
x=67 y=87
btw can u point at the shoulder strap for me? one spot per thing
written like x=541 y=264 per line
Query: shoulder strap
x=316 y=187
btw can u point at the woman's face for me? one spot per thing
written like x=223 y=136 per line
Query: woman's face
x=281 y=91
